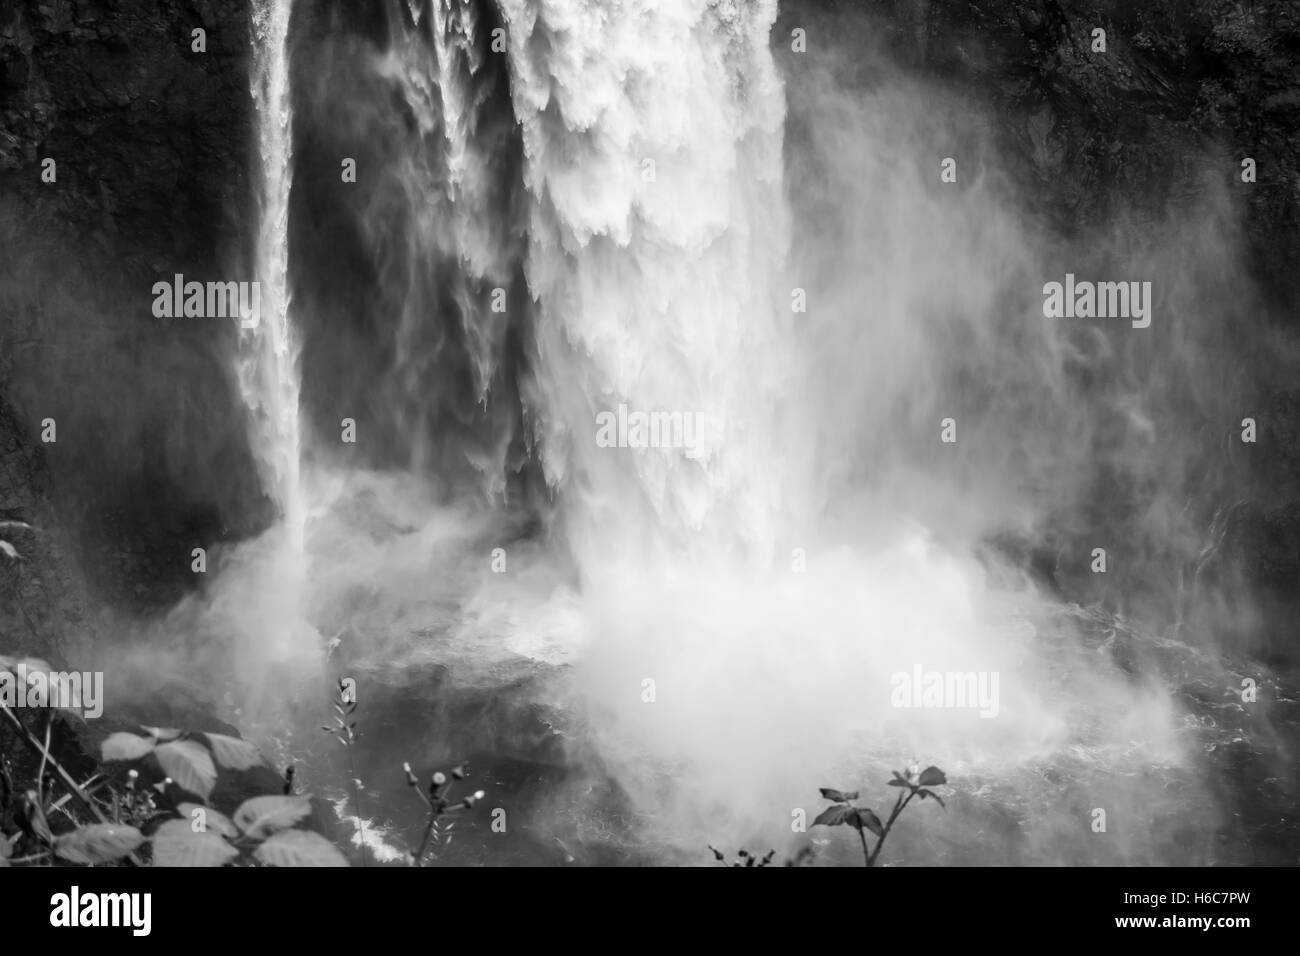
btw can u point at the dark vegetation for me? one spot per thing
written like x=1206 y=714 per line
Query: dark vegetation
x=149 y=795
x=912 y=783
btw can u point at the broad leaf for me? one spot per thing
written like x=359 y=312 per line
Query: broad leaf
x=162 y=733
x=262 y=816
x=866 y=818
x=839 y=796
x=122 y=746
x=299 y=848
x=233 y=753
x=214 y=821
x=176 y=844
x=932 y=777
x=189 y=765
x=32 y=665
x=834 y=816
x=98 y=843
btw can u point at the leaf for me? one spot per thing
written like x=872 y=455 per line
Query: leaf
x=867 y=818
x=98 y=843
x=834 y=816
x=35 y=815
x=838 y=796
x=215 y=821
x=176 y=844
x=8 y=551
x=233 y=753
x=124 y=746
x=299 y=848
x=934 y=796
x=262 y=816
x=162 y=733
x=932 y=777
x=189 y=765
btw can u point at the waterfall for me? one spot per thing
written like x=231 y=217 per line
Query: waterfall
x=652 y=136
x=272 y=626
x=267 y=364
x=435 y=210
x=738 y=584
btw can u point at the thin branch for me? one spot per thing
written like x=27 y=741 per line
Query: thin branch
x=65 y=778
x=899 y=805
x=434 y=813
x=45 y=755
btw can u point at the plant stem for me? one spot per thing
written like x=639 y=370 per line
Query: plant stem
x=435 y=811
x=428 y=832
x=64 y=777
x=45 y=755
x=899 y=804
x=30 y=859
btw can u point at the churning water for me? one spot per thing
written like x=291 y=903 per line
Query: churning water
x=566 y=206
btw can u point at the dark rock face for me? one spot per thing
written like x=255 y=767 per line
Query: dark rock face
x=152 y=142
x=1101 y=133
x=42 y=599
x=149 y=138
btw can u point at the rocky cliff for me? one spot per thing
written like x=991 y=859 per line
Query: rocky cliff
x=150 y=140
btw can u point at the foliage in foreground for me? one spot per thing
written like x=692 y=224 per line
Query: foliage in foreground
x=438 y=801
x=121 y=821
x=844 y=812
x=112 y=818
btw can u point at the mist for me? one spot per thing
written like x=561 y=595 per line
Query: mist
x=834 y=256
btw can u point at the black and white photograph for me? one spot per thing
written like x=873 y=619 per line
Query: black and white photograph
x=649 y=434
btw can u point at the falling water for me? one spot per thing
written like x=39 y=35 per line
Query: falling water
x=658 y=228
x=768 y=585
x=268 y=360
x=273 y=628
